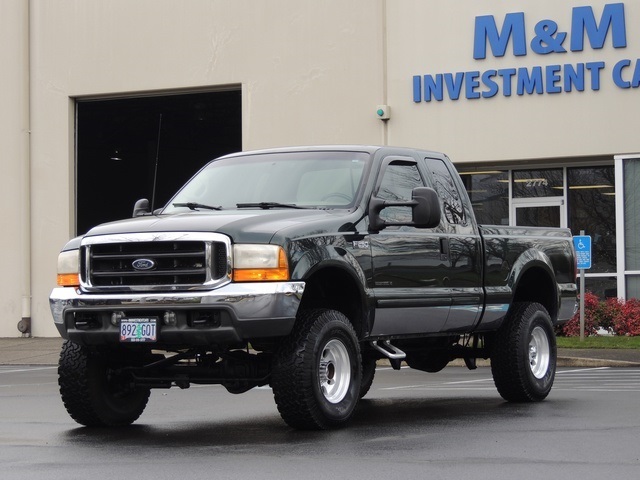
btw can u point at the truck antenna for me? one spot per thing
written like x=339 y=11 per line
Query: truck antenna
x=155 y=170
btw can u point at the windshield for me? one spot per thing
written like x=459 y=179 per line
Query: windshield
x=274 y=180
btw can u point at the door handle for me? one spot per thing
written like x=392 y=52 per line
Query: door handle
x=444 y=249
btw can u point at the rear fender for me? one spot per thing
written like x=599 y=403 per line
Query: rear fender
x=532 y=279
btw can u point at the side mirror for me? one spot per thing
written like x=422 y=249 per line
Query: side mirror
x=425 y=210
x=141 y=208
x=427 y=213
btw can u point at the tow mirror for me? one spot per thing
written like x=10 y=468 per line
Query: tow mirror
x=141 y=208
x=425 y=210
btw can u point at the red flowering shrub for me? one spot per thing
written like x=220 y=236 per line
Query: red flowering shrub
x=613 y=315
x=628 y=321
x=605 y=313
x=591 y=306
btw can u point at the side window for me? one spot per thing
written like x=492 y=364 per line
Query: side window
x=447 y=191
x=399 y=179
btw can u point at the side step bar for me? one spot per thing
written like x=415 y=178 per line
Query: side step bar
x=394 y=354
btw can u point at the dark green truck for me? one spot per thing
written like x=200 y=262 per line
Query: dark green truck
x=300 y=268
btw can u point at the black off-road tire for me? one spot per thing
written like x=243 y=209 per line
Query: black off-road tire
x=524 y=354
x=368 y=374
x=91 y=397
x=317 y=372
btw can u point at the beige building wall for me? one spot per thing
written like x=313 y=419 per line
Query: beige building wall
x=310 y=72
x=14 y=180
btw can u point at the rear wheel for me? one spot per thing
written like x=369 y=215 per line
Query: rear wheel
x=92 y=393
x=524 y=354
x=317 y=373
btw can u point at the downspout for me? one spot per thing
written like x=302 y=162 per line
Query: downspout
x=24 y=325
x=385 y=74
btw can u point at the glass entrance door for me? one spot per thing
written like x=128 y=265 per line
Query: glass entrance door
x=539 y=212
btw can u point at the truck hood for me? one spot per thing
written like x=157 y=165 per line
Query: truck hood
x=243 y=226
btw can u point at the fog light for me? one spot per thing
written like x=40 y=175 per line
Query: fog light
x=170 y=318
x=116 y=317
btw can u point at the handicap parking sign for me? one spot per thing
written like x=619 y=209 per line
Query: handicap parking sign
x=582 y=245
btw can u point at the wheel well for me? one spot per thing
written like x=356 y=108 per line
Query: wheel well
x=536 y=285
x=335 y=289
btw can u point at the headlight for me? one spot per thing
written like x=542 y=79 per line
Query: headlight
x=69 y=268
x=259 y=263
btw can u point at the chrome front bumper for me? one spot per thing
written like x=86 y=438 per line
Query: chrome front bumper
x=243 y=311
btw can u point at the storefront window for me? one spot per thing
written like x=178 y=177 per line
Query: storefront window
x=538 y=216
x=603 y=287
x=538 y=200
x=633 y=286
x=632 y=216
x=537 y=183
x=591 y=202
x=489 y=194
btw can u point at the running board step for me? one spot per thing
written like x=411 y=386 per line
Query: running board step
x=394 y=354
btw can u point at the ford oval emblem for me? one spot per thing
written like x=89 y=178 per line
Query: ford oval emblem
x=143 y=264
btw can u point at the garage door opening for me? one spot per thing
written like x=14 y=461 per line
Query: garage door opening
x=119 y=142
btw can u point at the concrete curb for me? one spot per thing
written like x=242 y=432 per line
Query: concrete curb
x=46 y=351
x=594 y=362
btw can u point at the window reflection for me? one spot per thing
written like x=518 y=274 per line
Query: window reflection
x=538 y=216
x=447 y=191
x=590 y=207
x=603 y=287
x=489 y=194
x=537 y=183
x=591 y=202
x=632 y=216
x=397 y=185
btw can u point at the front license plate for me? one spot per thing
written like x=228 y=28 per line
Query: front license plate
x=138 y=329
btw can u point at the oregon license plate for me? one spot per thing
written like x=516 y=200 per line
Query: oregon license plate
x=138 y=329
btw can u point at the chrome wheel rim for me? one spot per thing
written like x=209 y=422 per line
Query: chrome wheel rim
x=539 y=352
x=334 y=371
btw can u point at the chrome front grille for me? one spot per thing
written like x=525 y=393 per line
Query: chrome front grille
x=165 y=261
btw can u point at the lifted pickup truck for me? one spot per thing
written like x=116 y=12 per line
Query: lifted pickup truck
x=299 y=268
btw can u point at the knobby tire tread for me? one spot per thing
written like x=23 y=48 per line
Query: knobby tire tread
x=508 y=368
x=74 y=386
x=368 y=375
x=82 y=390
x=293 y=373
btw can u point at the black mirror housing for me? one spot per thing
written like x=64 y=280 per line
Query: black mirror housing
x=425 y=210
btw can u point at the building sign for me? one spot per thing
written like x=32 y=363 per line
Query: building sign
x=545 y=38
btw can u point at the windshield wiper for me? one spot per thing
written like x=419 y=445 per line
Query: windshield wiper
x=195 y=206
x=267 y=205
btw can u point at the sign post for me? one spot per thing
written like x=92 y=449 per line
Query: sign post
x=582 y=246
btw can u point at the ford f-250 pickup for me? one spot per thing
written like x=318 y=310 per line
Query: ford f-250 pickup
x=300 y=268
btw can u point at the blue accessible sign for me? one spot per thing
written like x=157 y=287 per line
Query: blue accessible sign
x=582 y=245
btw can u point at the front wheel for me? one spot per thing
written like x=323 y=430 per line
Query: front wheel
x=368 y=374
x=91 y=391
x=317 y=372
x=524 y=354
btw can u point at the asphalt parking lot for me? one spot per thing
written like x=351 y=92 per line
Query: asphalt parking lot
x=452 y=424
